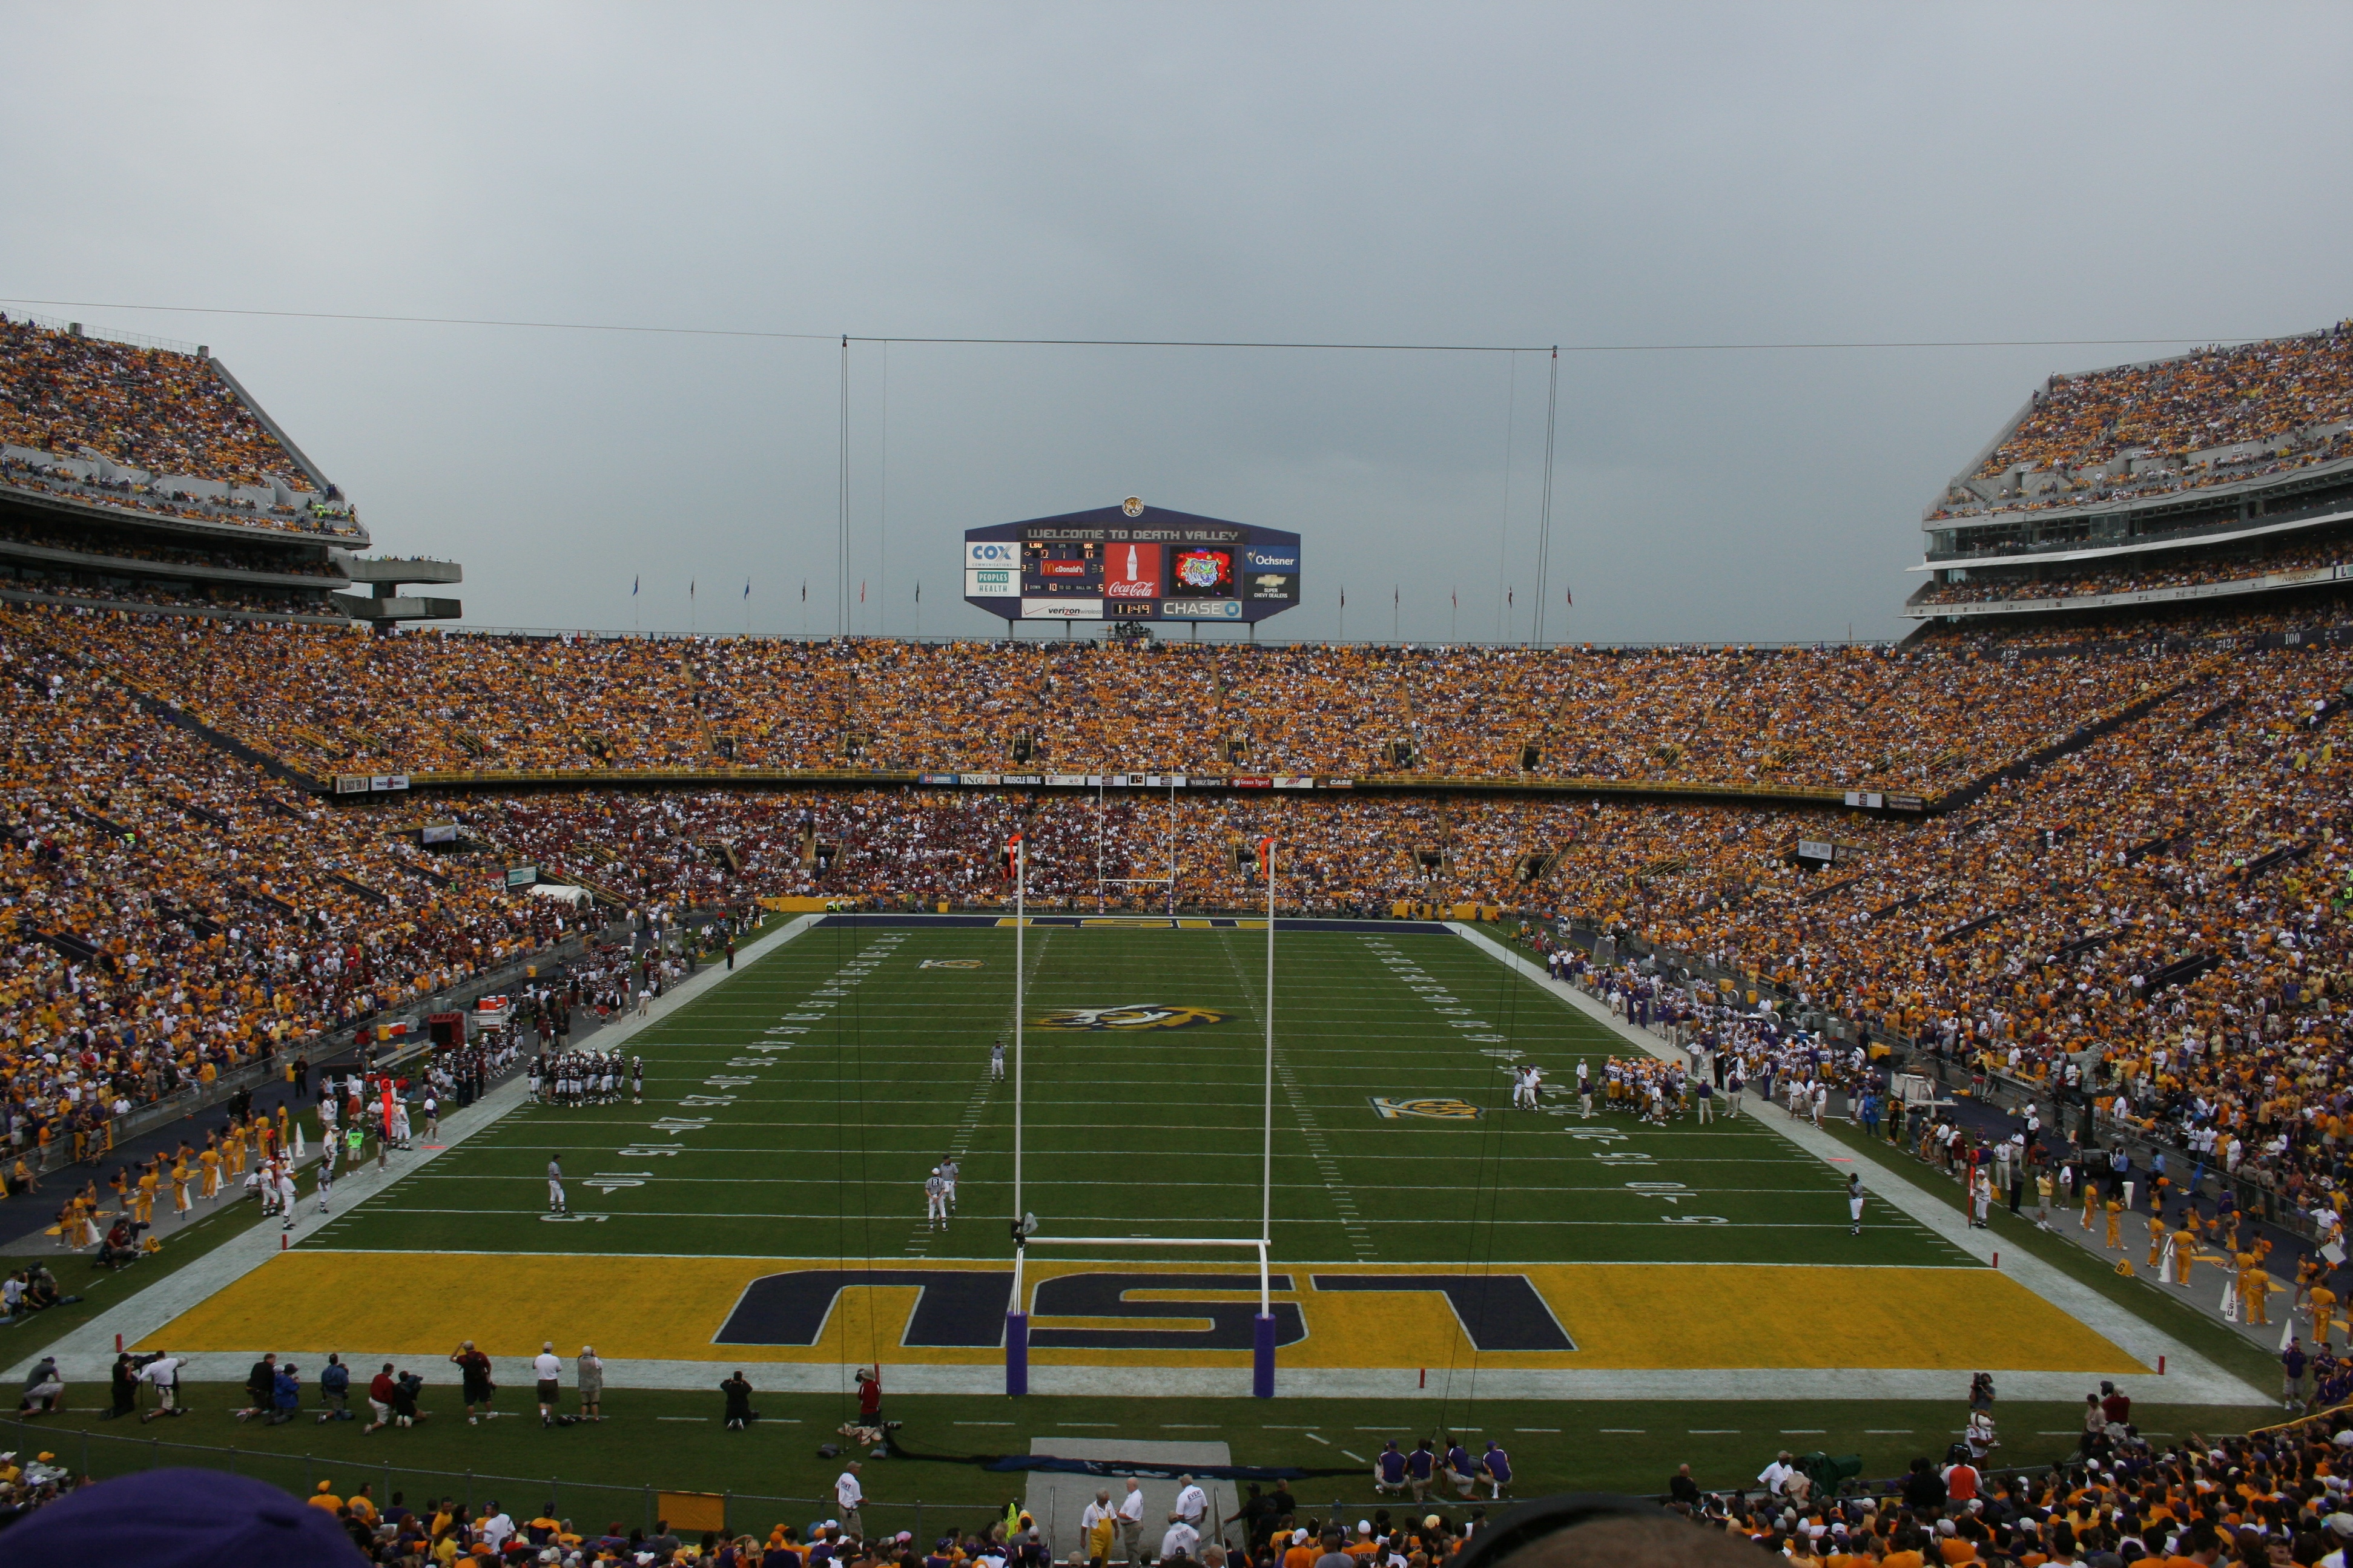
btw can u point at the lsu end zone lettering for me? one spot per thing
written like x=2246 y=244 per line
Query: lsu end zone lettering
x=1571 y=1315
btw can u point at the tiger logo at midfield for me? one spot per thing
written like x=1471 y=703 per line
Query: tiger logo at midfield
x=1137 y=1015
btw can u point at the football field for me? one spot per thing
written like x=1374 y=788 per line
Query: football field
x=766 y=1204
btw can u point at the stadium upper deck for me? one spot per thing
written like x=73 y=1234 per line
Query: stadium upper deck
x=137 y=473
x=2216 y=474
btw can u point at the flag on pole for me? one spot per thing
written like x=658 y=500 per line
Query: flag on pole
x=1507 y=598
x=1344 y=598
x=1397 y=595
x=747 y=590
x=919 y=591
x=1455 y=597
x=1265 y=852
x=635 y=583
x=1571 y=593
x=689 y=587
x=804 y=590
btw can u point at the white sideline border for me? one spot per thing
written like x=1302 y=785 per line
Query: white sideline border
x=2190 y=1377
x=87 y=1353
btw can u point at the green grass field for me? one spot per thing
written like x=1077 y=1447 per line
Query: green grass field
x=820 y=1149
x=793 y=1111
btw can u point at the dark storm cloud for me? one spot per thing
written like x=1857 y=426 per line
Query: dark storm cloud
x=1445 y=174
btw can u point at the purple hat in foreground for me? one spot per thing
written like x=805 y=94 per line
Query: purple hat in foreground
x=179 y=1518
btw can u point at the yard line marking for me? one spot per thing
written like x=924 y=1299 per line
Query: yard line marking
x=1313 y=1438
x=1804 y=1431
x=1712 y=1432
x=1887 y=1431
x=984 y=1423
x=1084 y=1425
x=1622 y=1431
x=1551 y=1429
x=1352 y=1453
x=660 y=1418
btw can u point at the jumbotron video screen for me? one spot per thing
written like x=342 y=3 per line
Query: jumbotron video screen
x=1131 y=562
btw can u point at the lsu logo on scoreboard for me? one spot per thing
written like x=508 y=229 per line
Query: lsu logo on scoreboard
x=1439 y=1109
x=1149 y=1015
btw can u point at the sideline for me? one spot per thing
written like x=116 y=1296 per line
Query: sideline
x=87 y=1353
x=2190 y=1377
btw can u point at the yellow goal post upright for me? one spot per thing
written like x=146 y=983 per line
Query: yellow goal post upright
x=1025 y=1225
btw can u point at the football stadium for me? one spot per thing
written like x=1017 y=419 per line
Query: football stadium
x=1172 y=1087
x=1872 y=1028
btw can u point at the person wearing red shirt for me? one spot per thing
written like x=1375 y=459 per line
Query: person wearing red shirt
x=380 y=1394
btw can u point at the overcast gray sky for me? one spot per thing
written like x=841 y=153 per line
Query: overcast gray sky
x=1440 y=173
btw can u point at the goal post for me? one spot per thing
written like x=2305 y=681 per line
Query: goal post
x=1025 y=1225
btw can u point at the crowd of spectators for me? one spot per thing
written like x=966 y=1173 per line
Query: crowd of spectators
x=165 y=417
x=82 y=585
x=335 y=701
x=168 y=912
x=2281 y=402
x=2162 y=903
x=2141 y=573
x=129 y=547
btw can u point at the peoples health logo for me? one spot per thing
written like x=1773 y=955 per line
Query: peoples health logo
x=1144 y=1015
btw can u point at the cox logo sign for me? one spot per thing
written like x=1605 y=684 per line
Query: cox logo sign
x=991 y=552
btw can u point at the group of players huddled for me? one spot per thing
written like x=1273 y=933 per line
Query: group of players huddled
x=584 y=1077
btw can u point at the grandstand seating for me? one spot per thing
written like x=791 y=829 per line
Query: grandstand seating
x=1821 y=720
x=147 y=430
x=2200 y=419
x=171 y=912
x=2167 y=892
x=2183 y=568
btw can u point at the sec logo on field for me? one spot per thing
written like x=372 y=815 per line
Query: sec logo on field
x=1436 y=1110
x=1149 y=1015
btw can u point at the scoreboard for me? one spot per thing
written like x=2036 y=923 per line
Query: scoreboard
x=1131 y=562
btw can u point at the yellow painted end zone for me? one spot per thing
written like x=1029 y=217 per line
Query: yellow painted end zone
x=1619 y=1315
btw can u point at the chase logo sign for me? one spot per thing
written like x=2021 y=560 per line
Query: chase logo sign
x=1435 y=1109
x=1128 y=1019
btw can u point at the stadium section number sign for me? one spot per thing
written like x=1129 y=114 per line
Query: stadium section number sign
x=1131 y=562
